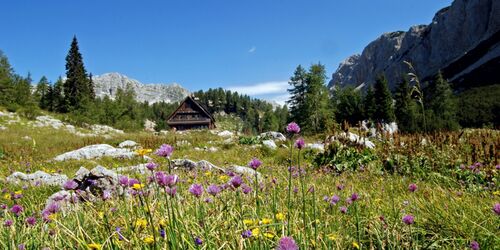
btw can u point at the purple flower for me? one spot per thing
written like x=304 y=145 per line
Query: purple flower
x=354 y=197
x=246 y=189
x=213 y=189
x=151 y=166
x=255 y=163
x=31 y=221
x=198 y=241
x=208 y=200
x=408 y=219
x=196 y=190
x=162 y=232
x=287 y=243
x=3 y=206
x=293 y=128
x=17 y=209
x=70 y=185
x=171 y=191
x=8 y=223
x=340 y=187
x=118 y=231
x=165 y=150
x=343 y=210
x=21 y=247
x=299 y=143
x=133 y=181
x=246 y=234
x=474 y=245
x=236 y=181
x=106 y=194
x=412 y=187
x=334 y=200
x=123 y=180
x=496 y=208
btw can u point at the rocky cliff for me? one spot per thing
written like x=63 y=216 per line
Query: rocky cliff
x=107 y=85
x=463 y=41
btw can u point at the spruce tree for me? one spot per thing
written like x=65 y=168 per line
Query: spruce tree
x=298 y=112
x=442 y=106
x=78 y=88
x=40 y=95
x=319 y=115
x=369 y=103
x=384 y=111
x=6 y=81
x=405 y=110
x=348 y=105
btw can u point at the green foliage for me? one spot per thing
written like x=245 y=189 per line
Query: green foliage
x=480 y=107
x=340 y=158
x=441 y=105
x=349 y=105
x=249 y=140
x=369 y=103
x=297 y=102
x=406 y=108
x=384 y=110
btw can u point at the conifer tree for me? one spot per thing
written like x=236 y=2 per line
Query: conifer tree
x=384 y=111
x=319 y=115
x=348 y=105
x=405 y=110
x=297 y=102
x=78 y=88
x=442 y=107
x=41 y=94
x=369 y=104
x=6 y=83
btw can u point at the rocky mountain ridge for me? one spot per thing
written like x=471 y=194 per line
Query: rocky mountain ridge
x=463 y=42
x=108 y=84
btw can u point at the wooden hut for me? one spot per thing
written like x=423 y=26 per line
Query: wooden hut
x=191 y=115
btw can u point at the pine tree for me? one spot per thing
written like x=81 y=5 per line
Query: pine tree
x=348 y=105
x=442 y=106
x=319 y=116
x=369 y=103
x=6 y=81
x=78 y=87
x=405 y=110
x=384 y=111
x=22 y=90
x=298 y=109
x=59 y=102
x=40 y=95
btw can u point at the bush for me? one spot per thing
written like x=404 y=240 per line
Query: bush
x=341 y=158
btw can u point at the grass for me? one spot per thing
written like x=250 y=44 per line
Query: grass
x=448 y=213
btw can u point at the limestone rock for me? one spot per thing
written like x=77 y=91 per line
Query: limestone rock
x=275 y=136
x=225 y=133
x=250 y=172
x=95 y=151
x=128 y=144
x=316 y=146
x=37 y=178
x=269 y=144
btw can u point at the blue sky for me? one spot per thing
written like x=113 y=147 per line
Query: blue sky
x=249 y=46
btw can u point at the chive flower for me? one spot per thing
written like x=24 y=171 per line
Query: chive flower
x=246 y=234
x=496 y=208
x=287 y=243
x=236 y=181
x=70 y=185
x=412 y=187
x=213 y=190
x=17 y=209
x=299 y=143
x=293 y=128
x=165 y=150
x=151 y=166
x=196 y=190
x=255 y=163
x=474 y=245
x=408 y=219
x=31 y=221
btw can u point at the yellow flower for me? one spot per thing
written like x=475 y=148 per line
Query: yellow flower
x=141 y=223
x=266 y=221
x=355 y=245
x=143 y=152
x=149 y=239
x=497 y=193
x=137 y=186
x=18 y=192
x=94 y=246
x=256 y=232
x=223 y=178
x=280 y=216
x=208 y=174
x=101 y=215
x=377 y=200
x=7 y=196
x=163 y=223
x=248 y=222
x=332 y=236
x=269 y=235
x=52 y=216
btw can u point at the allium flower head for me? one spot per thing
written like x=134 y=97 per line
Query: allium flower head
x=408 y=219
x=255 y=163
x=236 y=181
x=213 y=189
x=496 y=208
x=334 y=200
x=171 y=191
x=151 y=166
x=299 y=143
x=17 y=209
x=246 y=234
x=412 y=187
x=8 y=223
x=293 y=128
x=354 y=197
x=246 y=189
x=70 y=185
x=165 y=150
x=198 y=241
x=196 y=190
x=123 y=180
x=31 y=221
x=21 y=247
x=474 y=245
x=343 y=210
x=287 y=243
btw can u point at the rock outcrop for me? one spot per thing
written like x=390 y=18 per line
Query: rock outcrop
x=96 y=151
x=463 y=41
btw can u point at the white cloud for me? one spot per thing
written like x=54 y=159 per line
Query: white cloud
x=252 y=49
x=264 y=88
x=280 y=99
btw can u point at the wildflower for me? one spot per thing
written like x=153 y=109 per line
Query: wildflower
x=165 y=150
x=280 y=216
x=7 y=196
x=340 y=187
x=474 y=245
x=223 y=178
x=208 y=200
x=246 y=189
x=31 y=221
x=141 y=223
x=287 y=243
x=94 y=246
x=21 y=247
x=355 y=245
x=213 y=190
x=247 y=222
x=299 y=143
x=17 y=195
x=412 y=187
x=171 y=191
x=198 y=241
x=354 y=197
x=332 y=236
x=123 y=180
x=334 y=200
x=106 y=194
x=8 y=223
x=266 y=221
x=118 y=231
x=293 y=128
x=142 y=152
x=246 y=234
x=255 y=163
x=17 y=209
x=3 y=206
x=137 y=186
x=151 y=166
x=70 y=185
x=268 y=235
x=497 y=193
x=162 y=233
x=256 y=231
x=343 y=210
x=236 y=181
x=496 y=208
x=196 y=190
x=408 y=219
x=148 y=239
x=132 y=181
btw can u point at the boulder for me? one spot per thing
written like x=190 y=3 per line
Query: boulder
x=149 y=126
x=249 y=172
x=128 y=144
x=275 y=136
x=37 y=178
x=316 y=146
x=269 y=144
x=225 y=133
x=96 y=151
x=103 y=129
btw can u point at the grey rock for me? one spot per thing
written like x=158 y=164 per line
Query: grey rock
x=316 y=146
x=460 y=41
x=275 y=136
x=225 y=133
x=269 y=144
x=96 y=151
x=37 y=178
x=244 y=171
x=128 y=144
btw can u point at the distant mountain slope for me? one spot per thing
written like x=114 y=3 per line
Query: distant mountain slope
x=463 y=41
x=107 y=85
